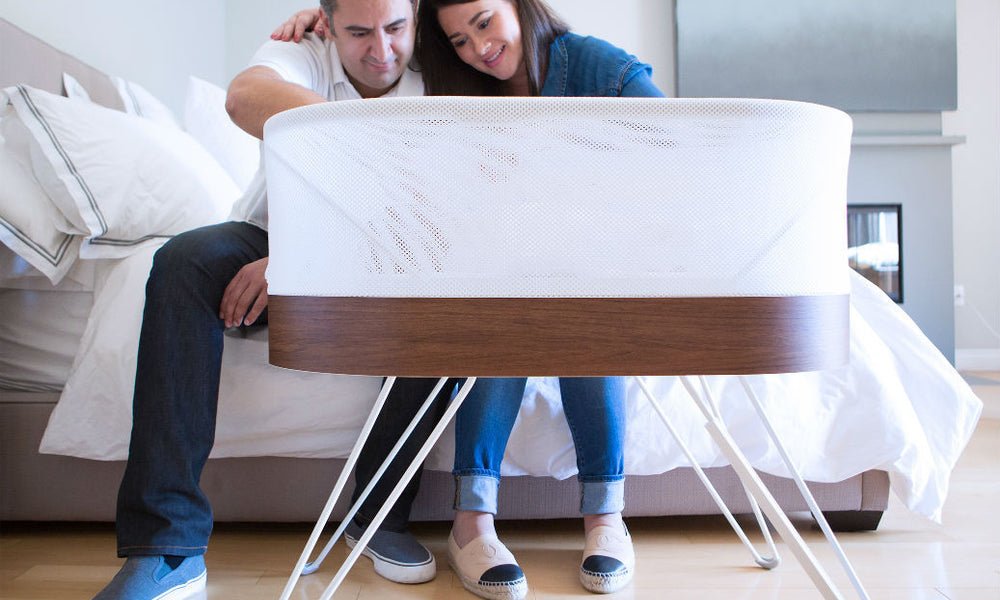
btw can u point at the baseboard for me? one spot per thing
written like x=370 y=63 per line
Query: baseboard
x=977 y=359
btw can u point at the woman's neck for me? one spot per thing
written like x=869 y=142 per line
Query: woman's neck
x=518 y=84
x=516 y=87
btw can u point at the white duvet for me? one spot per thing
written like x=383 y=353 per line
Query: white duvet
x=900 y=406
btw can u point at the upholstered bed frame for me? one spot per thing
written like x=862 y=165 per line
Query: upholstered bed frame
x=47 y=487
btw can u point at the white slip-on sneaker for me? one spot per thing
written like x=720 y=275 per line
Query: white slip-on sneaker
x=487 y=568
x=608 y=560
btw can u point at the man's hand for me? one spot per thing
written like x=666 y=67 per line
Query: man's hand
x=245 y=296
x=310 y=19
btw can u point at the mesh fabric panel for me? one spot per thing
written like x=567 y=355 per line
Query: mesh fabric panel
x=547 y=197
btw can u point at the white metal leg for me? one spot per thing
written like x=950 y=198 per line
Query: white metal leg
x=305 y=568
x=766 y=562
x=338 y=487
x=313 y=566
x=804 y=490
x=393 y=496
x=757 y=492
x=751 y=481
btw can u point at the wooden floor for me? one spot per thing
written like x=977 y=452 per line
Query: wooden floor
x=908 y=557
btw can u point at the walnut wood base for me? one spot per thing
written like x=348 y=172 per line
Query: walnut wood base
x=507 y=337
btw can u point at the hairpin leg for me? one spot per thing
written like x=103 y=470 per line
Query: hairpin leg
x=751 y=481
x=352 y=558
x=305 y=568
x=313 y=566
x=766 y=562
x=324 y=517
x=393 y=496
x=804 y=490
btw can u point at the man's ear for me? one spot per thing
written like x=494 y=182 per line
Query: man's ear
x=326 y=19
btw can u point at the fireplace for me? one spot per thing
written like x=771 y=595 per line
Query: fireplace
x=874 y=243
x=896 y=173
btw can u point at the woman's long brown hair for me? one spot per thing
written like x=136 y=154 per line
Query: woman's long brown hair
x=445 y=74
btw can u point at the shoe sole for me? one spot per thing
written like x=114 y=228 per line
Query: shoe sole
x=604 y=584
x=192 y=590
x=517 y=590
x=396 y=571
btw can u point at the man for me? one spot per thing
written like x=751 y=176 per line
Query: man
x=211 y=278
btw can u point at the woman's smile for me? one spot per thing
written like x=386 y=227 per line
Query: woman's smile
x=494 y=60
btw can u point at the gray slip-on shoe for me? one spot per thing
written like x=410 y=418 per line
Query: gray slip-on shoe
x=398 y=557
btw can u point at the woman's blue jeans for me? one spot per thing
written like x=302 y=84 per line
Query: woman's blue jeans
x=595 y=412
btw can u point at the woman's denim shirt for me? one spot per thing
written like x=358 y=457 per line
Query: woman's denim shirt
x=588 y=66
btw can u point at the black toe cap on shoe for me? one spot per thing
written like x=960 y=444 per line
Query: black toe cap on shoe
x=502 y=574
x=602 y=565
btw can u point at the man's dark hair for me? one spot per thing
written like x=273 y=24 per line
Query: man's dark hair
x=330 y=6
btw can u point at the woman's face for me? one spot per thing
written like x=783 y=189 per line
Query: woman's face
x=486 y=35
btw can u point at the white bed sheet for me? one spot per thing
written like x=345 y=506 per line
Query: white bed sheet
x=41 y=324
x=899 y=406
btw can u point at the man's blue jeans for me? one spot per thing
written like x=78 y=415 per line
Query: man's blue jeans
x=595 y=412
x=161 y=508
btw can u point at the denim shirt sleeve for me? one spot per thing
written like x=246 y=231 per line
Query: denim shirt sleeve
x=641 y=86
x=588 y=66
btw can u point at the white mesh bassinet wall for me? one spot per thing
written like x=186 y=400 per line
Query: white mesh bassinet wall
x=523 y=203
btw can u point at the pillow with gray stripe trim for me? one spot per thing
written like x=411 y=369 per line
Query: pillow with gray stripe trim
x=30 y=225
x=119 y=180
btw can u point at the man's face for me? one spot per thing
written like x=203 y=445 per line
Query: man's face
x=375 y=41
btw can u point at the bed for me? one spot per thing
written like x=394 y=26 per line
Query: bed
x=897 y=418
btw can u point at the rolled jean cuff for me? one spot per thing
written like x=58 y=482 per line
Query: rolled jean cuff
x=477 y=493
x=601 y=497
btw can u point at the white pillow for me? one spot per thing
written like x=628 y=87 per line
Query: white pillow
x=30 y=224
x=97 y=397
x=141 y=103
x=206 y=119
x=119 y=180
x=74 y=89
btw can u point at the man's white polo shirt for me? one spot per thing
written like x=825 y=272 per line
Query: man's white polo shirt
x=314 y=64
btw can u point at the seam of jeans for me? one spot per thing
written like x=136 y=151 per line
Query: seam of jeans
x=477 y=473
x=600 y=478
x=124 y=548
x=578 y=449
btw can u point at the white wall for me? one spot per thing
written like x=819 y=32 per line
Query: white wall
x=154 y=43
x=249 y=24
x=976 y=184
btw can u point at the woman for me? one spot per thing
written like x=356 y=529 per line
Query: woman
x=520 y=48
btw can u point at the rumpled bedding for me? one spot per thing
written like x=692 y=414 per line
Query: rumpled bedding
x=899 y=406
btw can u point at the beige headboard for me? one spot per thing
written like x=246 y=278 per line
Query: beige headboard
x=27 y=59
